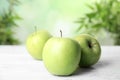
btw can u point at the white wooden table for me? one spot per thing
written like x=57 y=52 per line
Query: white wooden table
x=17 y=64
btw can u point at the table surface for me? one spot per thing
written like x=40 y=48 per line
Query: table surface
x=17 y=64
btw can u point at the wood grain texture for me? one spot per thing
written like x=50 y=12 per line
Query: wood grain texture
x=17 y=64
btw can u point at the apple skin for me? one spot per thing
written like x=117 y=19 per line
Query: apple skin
x=35 y=43
x=61 y=56
x=90 y=50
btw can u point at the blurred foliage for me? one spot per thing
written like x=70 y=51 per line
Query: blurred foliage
x=7 y=23
x=104 y=15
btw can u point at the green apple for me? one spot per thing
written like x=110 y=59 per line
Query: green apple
x=61 y=56
x=35 y=43
x=90 y=50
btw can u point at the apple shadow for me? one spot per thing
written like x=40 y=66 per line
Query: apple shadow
x=103 y=64
x=82 y=71
x=87 y=70
x=100 y=64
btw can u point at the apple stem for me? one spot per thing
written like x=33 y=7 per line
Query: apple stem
x=61 y=33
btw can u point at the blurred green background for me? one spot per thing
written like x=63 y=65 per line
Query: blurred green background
x=51 y=15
